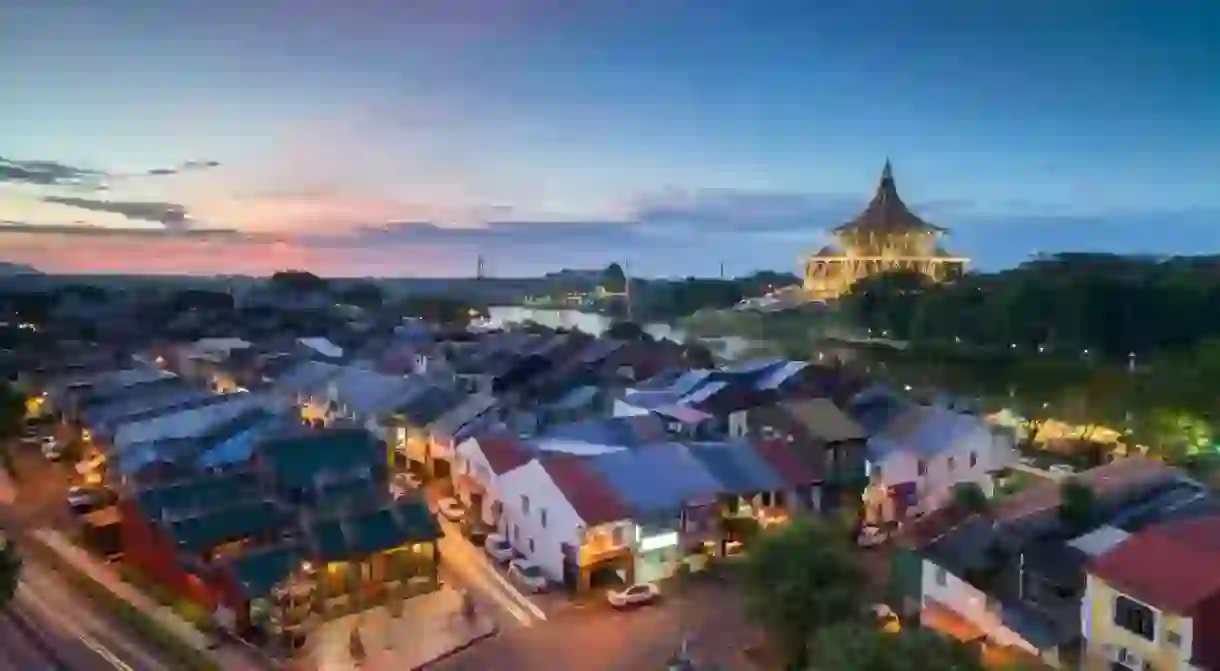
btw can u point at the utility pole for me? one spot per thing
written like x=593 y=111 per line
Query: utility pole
x=479 y=268
x=722 y=270
x=627 y=290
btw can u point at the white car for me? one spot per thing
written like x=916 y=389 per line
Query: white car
x=52 y=449
x=1061 y=470
x=871 y=536
x=499 y=548
x=636 y=595
x=450 y=509
x=528 y=574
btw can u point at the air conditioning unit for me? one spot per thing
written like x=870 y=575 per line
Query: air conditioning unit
x=1125 y=657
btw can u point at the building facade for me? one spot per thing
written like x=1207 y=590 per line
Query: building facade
x=885 y=237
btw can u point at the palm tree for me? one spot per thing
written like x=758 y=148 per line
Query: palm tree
x=12 y=413
x=10 y=569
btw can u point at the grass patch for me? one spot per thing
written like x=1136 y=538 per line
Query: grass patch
x=169 y=645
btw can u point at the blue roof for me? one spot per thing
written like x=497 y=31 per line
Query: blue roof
x=738 y=467
x=618 y=431
x=239 y=447
x=111 y=412
x=655 y=478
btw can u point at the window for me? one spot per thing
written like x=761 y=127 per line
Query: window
x=921 y=467
x=1135 y=617
x=1173 y=638
x=531 y=546
x=516 y=532
x=525 y=505
x=942 y=577
x=542 y=516
x=952 y=463
x=974 y=459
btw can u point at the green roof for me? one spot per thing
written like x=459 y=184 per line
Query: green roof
x=404 y=521
x=296 y=461
x=260 y=572
x=201 y=494
x=230 y=523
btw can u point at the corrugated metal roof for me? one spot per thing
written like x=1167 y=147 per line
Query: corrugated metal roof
x=656 y=478
x=738 y=467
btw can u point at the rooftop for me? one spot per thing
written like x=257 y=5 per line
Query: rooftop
x=593 y=500
x=886 y=213
x=1171 y=567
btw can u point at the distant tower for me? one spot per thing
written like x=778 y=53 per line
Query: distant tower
x=479 y=268
x=722 y=270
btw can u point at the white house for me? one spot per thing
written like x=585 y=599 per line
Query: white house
x=920 y=454
x=478 y=466
x=945 y=595
x=564 y=518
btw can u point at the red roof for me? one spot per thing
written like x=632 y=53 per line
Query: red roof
x=1171 y=566
x=590 y=496
x=780 y=457
x=504 y=453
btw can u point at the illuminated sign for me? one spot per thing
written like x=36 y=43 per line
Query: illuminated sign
x=666 y=540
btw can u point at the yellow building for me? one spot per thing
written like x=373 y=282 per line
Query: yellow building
x=885 y=237
x=1152 y=603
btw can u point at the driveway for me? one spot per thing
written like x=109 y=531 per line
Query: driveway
x=598 y=638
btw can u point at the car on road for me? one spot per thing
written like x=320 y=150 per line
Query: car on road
x=871 y=536
x=636 y=595
x=528 y=574
x=84 y=500
x=451 y=509
x=499 y=548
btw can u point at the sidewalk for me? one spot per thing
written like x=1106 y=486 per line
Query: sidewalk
x=430 y=628
x=229 y=656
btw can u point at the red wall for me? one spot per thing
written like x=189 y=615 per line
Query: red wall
x=156 y=556
x=1207 y=633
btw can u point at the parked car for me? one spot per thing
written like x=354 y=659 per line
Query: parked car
x=636 y=595
x=871 y=536
x=499 y=548
x=450 y=509
x=528 y=574
x=1062 y=470
x=84 y=500
x=52 y=449
x=887 y=621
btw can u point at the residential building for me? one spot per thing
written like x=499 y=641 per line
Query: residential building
x=412 y=424
x=1152 y=602
x=559 y=514
x=480 y=463
x=922 y=453
x=455 y=425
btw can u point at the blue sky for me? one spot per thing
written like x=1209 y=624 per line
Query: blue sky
x=405 y=138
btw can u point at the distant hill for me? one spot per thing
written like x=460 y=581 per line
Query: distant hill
x=13 y=269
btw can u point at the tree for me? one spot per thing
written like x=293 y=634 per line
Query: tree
x=10 y=569
x=12 y=414
x=626 y=330
x=969 y=496
x=861 y=646
x=1077 y=505
x=697 y=355
x=614 y=280
x=801 y=578
x=298 y=281
x=362 y=294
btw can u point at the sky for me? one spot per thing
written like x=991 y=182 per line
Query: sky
x=407 y=137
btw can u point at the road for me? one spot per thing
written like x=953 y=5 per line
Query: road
x=597 y=638
x=468 y=567
x=49 y=626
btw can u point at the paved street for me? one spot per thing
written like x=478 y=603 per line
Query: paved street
x=48 y=626
x=598 y=638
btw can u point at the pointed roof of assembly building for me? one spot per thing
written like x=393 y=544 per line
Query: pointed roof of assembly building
x=886 y=213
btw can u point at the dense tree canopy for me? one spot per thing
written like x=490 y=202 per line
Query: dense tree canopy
x=12 y=416
x=1108 y=305
x=362 y=294
x=861 y=647
x=800 y=579
x=298 y=281
x=614 y=279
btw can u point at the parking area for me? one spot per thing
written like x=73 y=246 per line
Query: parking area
x=43 y=486
x=595 y=637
